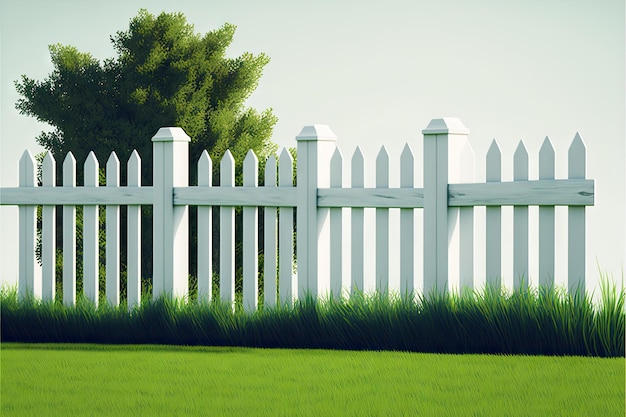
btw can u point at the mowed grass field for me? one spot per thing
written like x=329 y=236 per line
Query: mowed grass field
x=151 y=380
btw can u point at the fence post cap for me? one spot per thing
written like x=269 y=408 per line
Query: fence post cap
x=316 y=133
x=447 y=125
x=171 y=134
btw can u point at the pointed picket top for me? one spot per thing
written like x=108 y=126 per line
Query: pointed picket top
x=69 y=170
x=134 y=169
x=205 y=169
x=113 y=171
x=576 y=164
x=494 y=162
x=382 y=168
x=250 y=170
x=520 y=162
x=358 y=169
x=227 y=170
x=27 y=176
x=546 y=160
x=91 y=168
x=316 y=133
x=270 y=171
x=285 y=168
x=336 y=169
x=407 y=167
x=48 y=170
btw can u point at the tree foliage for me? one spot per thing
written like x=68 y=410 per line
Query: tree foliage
x=163 y=74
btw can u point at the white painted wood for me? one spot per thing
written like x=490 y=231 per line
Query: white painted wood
x=113 y=235
x=315 y=147
x=91 y=234
x=371 y=197
x=227 y=234
x=382 y=225
x=520 y=223
x=69 y=235
x=133 y=285
x=554 y=192
x=79 y=196
x=48 y=232
x=546 y=219
x=576 y=235
x=286 y=284
x=170 y=222
x=456 y=174
x=357 y=235
x=336 y=225
x=205 y=232
x=270 y=242
x=438 y=136
x=250 y=237
x=29 y=282
x=493 y=221
x=532 y=193
x=407 y=226
x=236 y=196
x=466 y=221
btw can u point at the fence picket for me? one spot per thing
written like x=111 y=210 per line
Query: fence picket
x=358 y=223
x=91 y=234
x=133 y=261
x=48 y=232
x=494 y=220
x=520 y=222
x=113 y=235
x=250 y=237
x=576 y=167
x=466 y=222
x=227 y=233
x=336 y=224
x=287 y=288
x=546 y=219
x=69 y=235
x=29 y=278
x=270 y=253
x=382 y=225
x=407 y=219
x=205 y=232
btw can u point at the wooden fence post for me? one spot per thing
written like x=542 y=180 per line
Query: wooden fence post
x=171 y=224
x=443 y=140
x=315 y=147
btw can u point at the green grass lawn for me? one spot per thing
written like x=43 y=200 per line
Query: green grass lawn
x=149 y=380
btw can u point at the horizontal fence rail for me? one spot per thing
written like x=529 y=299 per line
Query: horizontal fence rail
x=513 y=193
x=447 y=200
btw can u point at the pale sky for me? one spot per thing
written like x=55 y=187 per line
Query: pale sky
x=377 y=73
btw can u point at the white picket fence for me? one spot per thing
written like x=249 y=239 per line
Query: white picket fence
x=447 y=198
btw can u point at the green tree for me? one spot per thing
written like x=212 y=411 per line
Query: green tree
x=163 y=74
